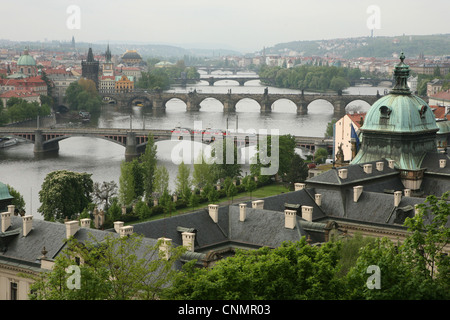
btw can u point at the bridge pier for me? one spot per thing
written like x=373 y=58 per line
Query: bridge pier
x=229 y=105
x=302 y=108
x=266 y=106
x=41 y=146
x=339 y=109
x=158 y=104
x=192 y=103
x=131 y=151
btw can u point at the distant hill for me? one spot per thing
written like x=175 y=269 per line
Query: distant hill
x=379 y=47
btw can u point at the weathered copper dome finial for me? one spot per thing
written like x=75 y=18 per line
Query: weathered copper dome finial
x=401 y=74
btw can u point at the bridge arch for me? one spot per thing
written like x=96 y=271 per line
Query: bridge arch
x=175 y=105
x=358 y=105
x=213 y=105
x=226 y=82
x=109 y=100
x=248 y=105
x=140 y=100
x=284 y=105
x=320 y=105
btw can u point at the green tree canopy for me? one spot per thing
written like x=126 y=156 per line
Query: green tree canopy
x=65 y=194
x=83 y=95
x=113 y=268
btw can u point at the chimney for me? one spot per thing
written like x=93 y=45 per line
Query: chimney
x=71 y=228
x=188 y=240
x=27 y=224
x=289 y=218
x=416 y=209
x=242 y=211
x=118 y=225
x=299 y=186
x=391 y=164
x=442 y=163
x=367 y=168
x=214 y=212
x=357 y=191
x=164 y=247
x=6 y=220
x=397 y=198
x=380 y=166
x=307 y=212
x=125 y=231
x=85 y=223
x=343 y=173
x=258 y=204
x=318 y=198
x=407 y=192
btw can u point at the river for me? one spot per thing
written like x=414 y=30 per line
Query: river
x=26 y=173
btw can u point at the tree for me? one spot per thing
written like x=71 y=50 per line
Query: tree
x=83 y=95
x=230 y=188
x=298 y=171
x=65 y=194
x=203 y=174
x=183 y=183
x=416 y=269
x=293 y=271
x=161 y=180
x=249 y=184
x=113 y=268
x=222 y=168
x=339 y=84
x=148 y=162
x=103 y=193
x=320 y=155
x=128 y=182
x=17 y=202
x=166 y=202
x=329 y=132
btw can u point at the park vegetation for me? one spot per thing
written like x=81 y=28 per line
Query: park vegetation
x=17 y=110
x=161 y=78
x=310 y=77
x=82 y=95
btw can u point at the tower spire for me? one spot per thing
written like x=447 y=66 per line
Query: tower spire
x=401 y=74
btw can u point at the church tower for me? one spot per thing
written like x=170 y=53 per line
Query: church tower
x=108 y=65
x=90 y=68
x=400 y=127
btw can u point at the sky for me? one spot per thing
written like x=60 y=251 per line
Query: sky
x=242 y=25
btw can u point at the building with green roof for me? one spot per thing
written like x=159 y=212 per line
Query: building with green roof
x=399 y=127
x=26 y=64
x=5 y=197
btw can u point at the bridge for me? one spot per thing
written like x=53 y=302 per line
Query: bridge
x=212 y=80
x=210 y=69
x=193 y=100
x=135 y=141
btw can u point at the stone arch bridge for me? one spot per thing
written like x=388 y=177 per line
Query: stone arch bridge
x=229 y=100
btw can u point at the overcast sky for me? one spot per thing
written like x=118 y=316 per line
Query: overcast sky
x=244 y=25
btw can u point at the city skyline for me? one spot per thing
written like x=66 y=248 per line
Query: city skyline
x=244 y=26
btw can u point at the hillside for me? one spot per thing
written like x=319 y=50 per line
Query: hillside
x=379 y=47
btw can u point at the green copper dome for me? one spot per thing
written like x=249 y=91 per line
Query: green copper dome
x=26 y=60
x=399 y=126
x=397 y=113
x=4 y=192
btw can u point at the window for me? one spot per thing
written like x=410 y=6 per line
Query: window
x=13 y=291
